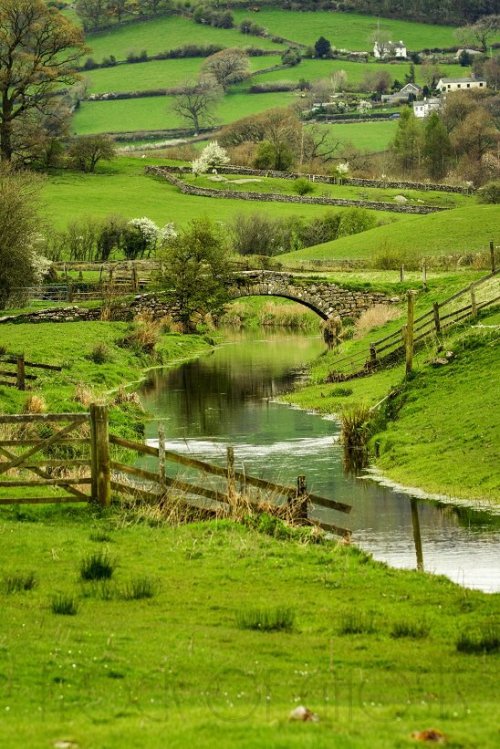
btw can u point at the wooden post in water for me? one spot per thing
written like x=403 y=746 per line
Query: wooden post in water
x=417 y=538
x=161 y=455
x=409 y=331
x=437 y=319
x=100 y=461
x=473 y=302
x=301 y=498
x=20 y=376
x=231 y=489
x=492 y=255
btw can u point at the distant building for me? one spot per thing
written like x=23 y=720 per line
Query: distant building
x=389 y=49
x=425 y=107
x=471 y=52
x=449 y=85
x=405 y=94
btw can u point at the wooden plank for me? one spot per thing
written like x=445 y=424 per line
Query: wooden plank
x=19 y=459
x=36 y=365
x=136 y=491
x=42 y=418
x=175 y=483
x=5 y=373
x=42 y=500
x=38 y=441
x=46 y=482
x=42 y=474
x=6 y=384
x=136 y=446
x=331 y=527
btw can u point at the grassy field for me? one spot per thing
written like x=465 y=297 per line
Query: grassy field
x=348 y=30
x=155 y=113
x=372 y=137
x=142 y=76
x=312 y=70
x=123 y=188
x=372 y=651
x=461 y=230
x=158 y=35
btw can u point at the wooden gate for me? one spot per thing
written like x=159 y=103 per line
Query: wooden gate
x=38 y=446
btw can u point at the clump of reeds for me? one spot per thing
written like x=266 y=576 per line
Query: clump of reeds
x=63 y=604
x=100 y=354
x=286 y=316
x=138 y=588
x=144 y=333
x=485 y=641
x=410 y=629
x=276 y=619
x=357 y=623
x=97 y=566
x=84 y=395
x=34 y=404
x=355 y=434
x=374 y=318
x=15 y=582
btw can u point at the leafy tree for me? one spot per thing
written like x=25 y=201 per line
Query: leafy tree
x=19 y=227
x=291 y=56
x=437 y=146
x=475 y=135
x=195 y=102
x=87 y=150
x=481 y=32
x=93 y=13
x=322 y=47
x=407 y=144
x=195 y=275
x=378 y=81
x=39 y=49
x=227 y=66
x=491 y=71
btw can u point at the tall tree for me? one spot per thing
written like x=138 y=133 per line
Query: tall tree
x=407 y=144
x=39 y=49
x=195 y=102
x=322 y=47
x=437 y=146
x=227 y=66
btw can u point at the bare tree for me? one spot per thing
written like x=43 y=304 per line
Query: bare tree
x=196 y=101
x=39 y=49
x=227 y=66
x=480 y=33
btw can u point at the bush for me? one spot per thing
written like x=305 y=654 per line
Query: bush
x=100 y=354
x=97 y=566
x=489 y=193
x=302 y=186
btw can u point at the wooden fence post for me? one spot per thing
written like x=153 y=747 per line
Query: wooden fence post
x=20 y=377
x=135 y=280
x=231 y=491
x=409 y=331
x=437 y=319
x=373 y=355
x=424 y=276
x=473 y=302
x=100 y=461
x=492 y=255
x=161 y=455
x=402 y=274
x=302 y=497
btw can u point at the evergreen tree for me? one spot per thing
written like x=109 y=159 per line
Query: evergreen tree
x=437 y=147
x=407 y=144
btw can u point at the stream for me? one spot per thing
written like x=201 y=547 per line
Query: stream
x=228 y=398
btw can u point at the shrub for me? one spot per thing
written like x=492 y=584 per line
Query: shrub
x=276 y=619
x=97 y=566
x=489 y=193
x=100 y=354
x=355 y=434
x=65 y=605
x=302 y=186
x=17 y=581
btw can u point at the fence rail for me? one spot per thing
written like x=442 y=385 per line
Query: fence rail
x=466 y=303
x=27 y=452
x=18 y=376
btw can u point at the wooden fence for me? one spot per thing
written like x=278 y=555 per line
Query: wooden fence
x=105 y=475
x=401 y=344
x=17 y=374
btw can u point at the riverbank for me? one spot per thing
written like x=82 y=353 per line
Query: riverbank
x=220 y=650
x=441 y=431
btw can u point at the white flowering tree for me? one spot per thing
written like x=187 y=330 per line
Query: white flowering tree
x=342 y=170
x=142 y=237
x=212 y=157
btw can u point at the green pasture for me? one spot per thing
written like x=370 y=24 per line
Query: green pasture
x=460 y=230
x=123 y=188
x=165 y=33
x=348 y=30
x=244 y=183
x=313 y=70
x=371 y=136
x=141 y=76
x=155 y=113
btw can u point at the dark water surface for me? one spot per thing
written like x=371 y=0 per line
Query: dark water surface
x=226 y=398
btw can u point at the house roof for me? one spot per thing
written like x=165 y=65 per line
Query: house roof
x=461 y=80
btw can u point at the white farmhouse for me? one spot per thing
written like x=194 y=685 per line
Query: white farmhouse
x=449 y=85
x=425 y=107
x=389 y=49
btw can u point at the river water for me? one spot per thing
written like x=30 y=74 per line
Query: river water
x=228 y=398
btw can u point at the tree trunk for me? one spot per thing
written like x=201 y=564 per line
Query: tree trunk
x=6 y=149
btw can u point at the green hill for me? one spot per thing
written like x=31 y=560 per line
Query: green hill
x=459 y=230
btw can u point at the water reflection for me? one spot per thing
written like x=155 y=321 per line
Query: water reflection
x=227 y=398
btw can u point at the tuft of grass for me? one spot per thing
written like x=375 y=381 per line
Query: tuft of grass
x=100 y=537
x=374 y=317
x=100 y=354
x=138 y=589
x=484 y=642
x=341 y=392
x=413 y=630
x=278 y=619
x=355 y=435
x=97 y=566
x=65 y=605
x=357 y=623
x=34 y=404
x=16 y=582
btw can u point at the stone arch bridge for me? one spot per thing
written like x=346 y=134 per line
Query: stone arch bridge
x=326 y=299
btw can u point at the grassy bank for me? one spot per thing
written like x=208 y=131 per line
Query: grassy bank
x=355 y=642
x=441 y=432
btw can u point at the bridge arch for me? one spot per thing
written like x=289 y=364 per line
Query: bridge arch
x=271 y=290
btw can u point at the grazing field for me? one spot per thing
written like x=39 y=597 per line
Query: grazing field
x=143 y=76
x=370 y=136
x=312 y=70
x=155 y=113
x=357 y=643
x=161 y=34
x=348 y=30
x=461 y=230
x=123 y=188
